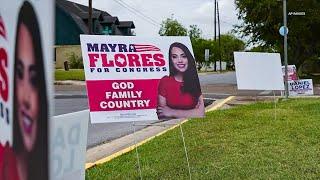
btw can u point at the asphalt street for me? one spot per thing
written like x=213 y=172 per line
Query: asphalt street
x=217 y=78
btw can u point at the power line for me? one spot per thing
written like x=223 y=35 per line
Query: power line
x=134 y=12
x=138 y=11
x=144 y=17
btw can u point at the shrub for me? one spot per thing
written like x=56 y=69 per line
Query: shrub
x=310 y=69
x=75 y=61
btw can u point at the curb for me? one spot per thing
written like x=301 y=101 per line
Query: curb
x=70 y=82
x=130 y=148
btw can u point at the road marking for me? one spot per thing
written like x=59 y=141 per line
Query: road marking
x=220 y=104
x=130 y=148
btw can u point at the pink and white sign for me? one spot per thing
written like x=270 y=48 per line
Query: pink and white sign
x=292 y=73
x=123 y=75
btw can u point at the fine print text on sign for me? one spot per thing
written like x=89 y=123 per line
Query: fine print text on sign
x=129 y=78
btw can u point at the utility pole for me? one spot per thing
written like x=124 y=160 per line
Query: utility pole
x=215 y=31
x=90 y=17
x=285 y=48
x=219 y=36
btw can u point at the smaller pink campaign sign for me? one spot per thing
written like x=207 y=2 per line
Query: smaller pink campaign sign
x=140 y=78
x=292 y=73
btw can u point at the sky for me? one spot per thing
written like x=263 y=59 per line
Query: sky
x=147 y=15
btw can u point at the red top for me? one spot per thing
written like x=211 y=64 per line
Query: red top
x=170 y=89
x=8 y=164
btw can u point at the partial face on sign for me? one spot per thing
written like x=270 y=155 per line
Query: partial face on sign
x=179 y=59
x=26 y=44
x=30 y=110
x=27 y=89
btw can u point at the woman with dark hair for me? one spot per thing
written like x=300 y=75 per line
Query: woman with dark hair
x=29 y=159
x=179 y=93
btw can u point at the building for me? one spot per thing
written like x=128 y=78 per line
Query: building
x=72 y=20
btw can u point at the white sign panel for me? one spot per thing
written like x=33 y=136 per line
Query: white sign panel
x=69 y=144
x=206 y=54
x=140 y=78
x=302 y=87
x=223 y=64
x=258 y=71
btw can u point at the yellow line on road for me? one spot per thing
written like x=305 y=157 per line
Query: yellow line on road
x=220 y=104
x=130 y=148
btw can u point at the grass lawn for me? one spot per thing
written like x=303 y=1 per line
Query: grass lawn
x=72 y=74
x=245 y=142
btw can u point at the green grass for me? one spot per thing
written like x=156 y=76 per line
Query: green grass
x=245 y=142
x=72 y=74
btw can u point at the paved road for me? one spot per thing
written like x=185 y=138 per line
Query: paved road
x=214 y=78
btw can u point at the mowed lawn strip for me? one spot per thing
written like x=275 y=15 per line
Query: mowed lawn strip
x=72 y=74
x=239 y=143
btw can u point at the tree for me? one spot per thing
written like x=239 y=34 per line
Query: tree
x=194 y=32
x=199 y=45
x=268 y=49
x=229 y=44
x=262 y=20
x=171 y=27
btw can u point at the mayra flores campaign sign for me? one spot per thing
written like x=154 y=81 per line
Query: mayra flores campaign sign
x=123 y=75
x=26 y=91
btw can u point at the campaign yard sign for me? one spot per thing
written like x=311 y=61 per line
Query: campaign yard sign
x=258 y=71
x=302 y=87
x=68 y=145
x=123 y=74
x=292 y=73
x=26 y=91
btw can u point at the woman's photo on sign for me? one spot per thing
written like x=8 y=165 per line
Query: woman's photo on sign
x=179 y=94
x=27 y=159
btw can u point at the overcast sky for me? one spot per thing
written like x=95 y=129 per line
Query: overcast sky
x=147 y=15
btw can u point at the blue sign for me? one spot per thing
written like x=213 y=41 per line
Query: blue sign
x=283 y=30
